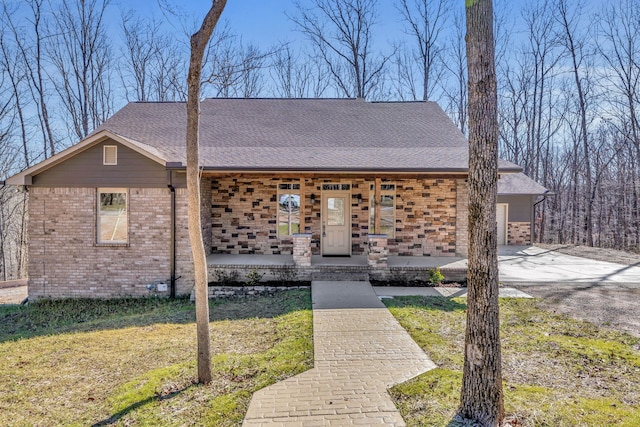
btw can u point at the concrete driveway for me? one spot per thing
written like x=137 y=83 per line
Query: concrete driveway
x=530 y=264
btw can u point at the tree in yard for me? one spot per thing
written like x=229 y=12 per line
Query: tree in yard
x=426 y=20
x=575 y=49
x=340 y=31
x=481 y=396
x=297 y=78
x=455 y=95
x=199 y=41
x=80 y=54
x=30 y=48
x=152 y=64
x=234 y=69
x=620 y=48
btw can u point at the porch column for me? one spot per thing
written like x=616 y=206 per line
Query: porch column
x=302 y=249
x=378 y=251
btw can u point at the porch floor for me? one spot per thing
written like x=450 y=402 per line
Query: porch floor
x=329 y=261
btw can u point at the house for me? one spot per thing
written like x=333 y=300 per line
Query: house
x=295 y=177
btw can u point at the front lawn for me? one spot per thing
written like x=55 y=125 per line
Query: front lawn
x=132 y=361
x=557 y=371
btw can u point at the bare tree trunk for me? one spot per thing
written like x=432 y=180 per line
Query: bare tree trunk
x=12 y=71
x=341 y=30
x=573 y=50
x=426 y=19
x=199 y=42
x=481 y=396
x=457 y=96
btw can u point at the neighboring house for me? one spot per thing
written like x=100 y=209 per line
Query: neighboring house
x=108 y=215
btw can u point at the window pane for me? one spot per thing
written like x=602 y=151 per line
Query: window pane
x=288 y=214
x=289 y=186
x=335 y=210
x=387 y=217
x=336 y=187
x=372 y=212
x=112 y=215
x=387 y=210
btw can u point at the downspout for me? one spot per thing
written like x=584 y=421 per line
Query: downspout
x=533 y=217
x=172 y=247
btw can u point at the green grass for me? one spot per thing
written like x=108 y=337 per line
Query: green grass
x=132 y=361
x=557 y=371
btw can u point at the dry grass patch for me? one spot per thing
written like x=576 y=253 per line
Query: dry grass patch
x=557 y=371
x=132 y=362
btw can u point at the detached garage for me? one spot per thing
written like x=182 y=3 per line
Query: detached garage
x=517 y=196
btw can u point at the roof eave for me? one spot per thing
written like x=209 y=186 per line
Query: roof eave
x=354 y=170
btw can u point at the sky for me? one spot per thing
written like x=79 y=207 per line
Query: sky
x=262 y=22
x=265 y=22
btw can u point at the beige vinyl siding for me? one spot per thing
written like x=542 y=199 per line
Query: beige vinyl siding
x=520 y=207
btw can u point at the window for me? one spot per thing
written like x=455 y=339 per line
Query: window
x=288 y=209
x=336 y=187
x=113 y=216
x=110 y=155
x=387 y=210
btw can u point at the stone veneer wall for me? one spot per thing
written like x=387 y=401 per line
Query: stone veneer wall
x=64 y=259
x=244 y=215
x=519 y=233
x=425 y=218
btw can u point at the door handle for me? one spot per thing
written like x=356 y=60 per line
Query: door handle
x=324 y=230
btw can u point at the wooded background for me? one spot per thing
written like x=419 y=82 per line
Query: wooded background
x=568 y=88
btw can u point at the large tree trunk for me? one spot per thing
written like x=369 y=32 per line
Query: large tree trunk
x=199 y=42
x=481 y=396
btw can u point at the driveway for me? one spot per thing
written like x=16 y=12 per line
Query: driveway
x=530 y=264
x=606 y=294
x=13 y=292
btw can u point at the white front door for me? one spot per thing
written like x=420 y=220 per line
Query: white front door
x=502 y=213
x=336 y=223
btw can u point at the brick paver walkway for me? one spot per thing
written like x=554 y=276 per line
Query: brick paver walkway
x=360 y=351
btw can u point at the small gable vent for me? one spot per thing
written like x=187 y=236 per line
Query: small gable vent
x=110 y=155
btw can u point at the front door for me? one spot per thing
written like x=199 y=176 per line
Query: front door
x=336 y=223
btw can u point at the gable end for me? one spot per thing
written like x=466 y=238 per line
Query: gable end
x=106 y=164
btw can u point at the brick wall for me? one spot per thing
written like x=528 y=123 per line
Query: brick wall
x=64 y=259
x=519 y=233
x=239 y=216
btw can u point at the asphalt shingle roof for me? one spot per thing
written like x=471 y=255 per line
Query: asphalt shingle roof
x=519 y=184
x=302 y=134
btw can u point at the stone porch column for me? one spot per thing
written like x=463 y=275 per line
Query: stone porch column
x=302 y=249
x=378 y=251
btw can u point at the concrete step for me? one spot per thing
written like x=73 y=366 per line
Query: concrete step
x=339 y=275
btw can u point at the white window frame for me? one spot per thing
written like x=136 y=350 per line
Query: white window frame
x=99 y=216
x=104 y=155
x=292 y=188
